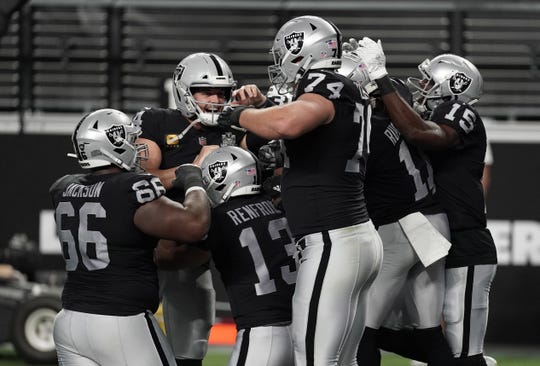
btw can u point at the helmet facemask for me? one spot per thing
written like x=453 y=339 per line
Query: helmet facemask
x=426 y=92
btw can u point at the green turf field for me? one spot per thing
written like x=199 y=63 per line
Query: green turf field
x=217 y=356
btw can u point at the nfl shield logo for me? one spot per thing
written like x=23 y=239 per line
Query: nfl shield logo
x=294 y=42
x=116 y=135
x=218 y=171
x=459 y=83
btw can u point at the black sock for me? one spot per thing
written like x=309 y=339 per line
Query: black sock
x=476 y=360
x=188 y=362
x=437 y=350
x=368 y=353
x=401 y=342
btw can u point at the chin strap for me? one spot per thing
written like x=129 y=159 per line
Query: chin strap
x=117 y=161
x=183 y=133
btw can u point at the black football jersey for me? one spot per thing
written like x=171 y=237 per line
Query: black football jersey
x=109 y=261
x=399 y=177
x=252 y=249
x=458 y=174
x=323 y=179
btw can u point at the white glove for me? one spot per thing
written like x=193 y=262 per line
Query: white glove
x=373 y=56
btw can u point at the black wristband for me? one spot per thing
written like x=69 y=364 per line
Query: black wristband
x=385 y=85
x=188 y=176
x=235 y=115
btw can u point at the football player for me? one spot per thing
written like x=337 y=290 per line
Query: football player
x=252 y=249
x=325 y=132
x=400 y=199
x=109 y=221
x=203 y=84
x=445 y=123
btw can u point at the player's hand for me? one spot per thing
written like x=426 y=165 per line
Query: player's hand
x=187 y=176
x=372 y=54
x=248 y=95
x=229 y=118
x=352 y=45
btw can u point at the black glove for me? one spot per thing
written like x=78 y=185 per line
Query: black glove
x=270 y=155
x=272 y=186
x=188 y=176
x=230 y=117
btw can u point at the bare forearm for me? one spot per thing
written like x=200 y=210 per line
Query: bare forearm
x=288 y=121
x=414 y=129
x=263 y=122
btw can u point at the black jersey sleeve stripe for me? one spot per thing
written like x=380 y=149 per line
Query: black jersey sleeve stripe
x=155 y=338
x=217 y=65
x=315 y=296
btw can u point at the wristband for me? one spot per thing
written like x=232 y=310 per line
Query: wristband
x=385 y=85
x=188 y=176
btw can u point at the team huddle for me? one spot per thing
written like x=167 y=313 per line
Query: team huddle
x=343 y=210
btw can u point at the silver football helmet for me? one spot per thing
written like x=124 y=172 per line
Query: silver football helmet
x=354 y=68
x=105 y=137
x=201 y=70
x=446 y=77
x=303 y=43
x=228 y=172
x=277 y=97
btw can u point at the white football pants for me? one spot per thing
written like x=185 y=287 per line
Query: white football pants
x=84 y=339
x=335 y=270
x=268 y=345
x=466 y=307
x=404 y=284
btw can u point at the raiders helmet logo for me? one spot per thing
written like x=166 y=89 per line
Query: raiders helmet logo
x=459 y=83
x=116 y=135
x=218 y=171
x=294 y=42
